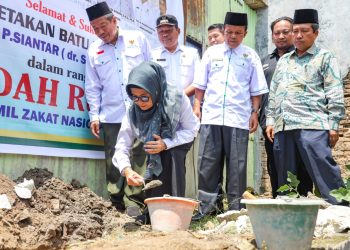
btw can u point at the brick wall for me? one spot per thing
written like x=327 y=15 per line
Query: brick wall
x=341 y=152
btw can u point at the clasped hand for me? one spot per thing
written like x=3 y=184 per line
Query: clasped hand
x=155 y=147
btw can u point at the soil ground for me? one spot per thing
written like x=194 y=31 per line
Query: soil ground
x=61 y=215
x=69 y=216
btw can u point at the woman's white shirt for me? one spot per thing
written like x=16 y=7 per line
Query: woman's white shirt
x=186 y=131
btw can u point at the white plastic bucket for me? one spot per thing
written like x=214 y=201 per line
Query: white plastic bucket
x=170 y=213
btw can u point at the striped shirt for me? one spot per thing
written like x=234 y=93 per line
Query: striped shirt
x=306 y=92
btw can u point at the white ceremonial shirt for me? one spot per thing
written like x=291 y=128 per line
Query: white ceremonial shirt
x=179 y=66
x=186 y=131
x=107 y=70
x=230 y=77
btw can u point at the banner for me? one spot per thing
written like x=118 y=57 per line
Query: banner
x=142 y=15
x=43 y=110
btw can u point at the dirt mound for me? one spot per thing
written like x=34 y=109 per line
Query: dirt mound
x=61 y=215
x=56 y=214
x=38 y=175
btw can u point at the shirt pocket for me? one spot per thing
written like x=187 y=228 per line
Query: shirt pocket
x=132 y=52
x=103 y=64
x=102 y=60
x=216 y=65
x=186 y=67
x=241 y=69
x=217 y=70
x=312 y=76
x=133 y=56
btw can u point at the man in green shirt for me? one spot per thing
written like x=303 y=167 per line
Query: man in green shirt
x=306 y=104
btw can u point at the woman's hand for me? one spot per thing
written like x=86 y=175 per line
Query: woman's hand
x=133 y=178
x=155 y=147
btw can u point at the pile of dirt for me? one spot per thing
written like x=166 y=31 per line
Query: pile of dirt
x=69 y=216
x=57 y=214
x=38 y=175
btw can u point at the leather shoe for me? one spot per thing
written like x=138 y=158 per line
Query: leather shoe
x=197 y=217
x=120 y=207
x=143 y=219
x=133 y=211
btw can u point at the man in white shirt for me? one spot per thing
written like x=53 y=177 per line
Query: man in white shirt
x=216 y=34
x=180 y=64
x=110 y=59
x=178 y=61
x=233 y=81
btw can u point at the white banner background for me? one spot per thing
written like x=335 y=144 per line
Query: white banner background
x=43 y=44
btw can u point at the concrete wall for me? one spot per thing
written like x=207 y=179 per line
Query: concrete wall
x=334 y=30
x=216 y=11
x=334 y=36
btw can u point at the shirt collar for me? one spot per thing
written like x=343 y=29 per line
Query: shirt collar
x=121 y=34
x=178 y=48
x=236 y=50
x=275 y=52
x=311 y=51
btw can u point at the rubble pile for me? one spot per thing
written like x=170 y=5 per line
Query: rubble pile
x=56 y=214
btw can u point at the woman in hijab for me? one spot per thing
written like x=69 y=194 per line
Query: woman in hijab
x=162 y=118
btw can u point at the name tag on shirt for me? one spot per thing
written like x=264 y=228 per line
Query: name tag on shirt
x=266 y=66
x=217 y=59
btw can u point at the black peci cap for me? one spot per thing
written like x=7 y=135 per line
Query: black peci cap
x=98 y=10
x=166 y=20
x=238 y=19
x=305 y=16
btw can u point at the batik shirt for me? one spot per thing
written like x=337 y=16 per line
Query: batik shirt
x=306 y=92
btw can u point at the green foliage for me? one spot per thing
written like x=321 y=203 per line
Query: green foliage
x=343 y=193
x=200 y=225
x=290 y=189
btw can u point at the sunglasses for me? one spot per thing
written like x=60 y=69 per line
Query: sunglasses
x=142 y=98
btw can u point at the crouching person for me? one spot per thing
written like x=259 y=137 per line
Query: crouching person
x=161 y=117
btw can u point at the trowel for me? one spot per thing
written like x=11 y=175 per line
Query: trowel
x=152 y=184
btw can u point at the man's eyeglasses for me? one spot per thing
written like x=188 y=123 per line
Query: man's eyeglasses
x=142 y=98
